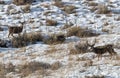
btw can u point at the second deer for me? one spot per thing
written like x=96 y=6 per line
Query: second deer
x=15 y=29
x=100 y=50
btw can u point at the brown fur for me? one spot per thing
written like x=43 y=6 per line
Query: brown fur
x=103 y=49
x=15 y=30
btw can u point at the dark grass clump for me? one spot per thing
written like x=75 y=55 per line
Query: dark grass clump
x=58 y=3
x=69 y=9
x=80 y=32
x=31 y=67
x=95 y=76
x=50 y=22
x=6 y=68
x=102 y=9
x=2 y=2
x=26 y=38
x=28 y=68
x=22 y=2
x=54 y=39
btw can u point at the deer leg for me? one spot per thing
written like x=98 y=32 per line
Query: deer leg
x=12 y=34
x=8 y=35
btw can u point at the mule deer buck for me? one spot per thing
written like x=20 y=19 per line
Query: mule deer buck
x=100 y=50
x=15 y=29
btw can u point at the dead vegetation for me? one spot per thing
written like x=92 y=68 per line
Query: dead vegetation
x=95 y=76
x=59 y=4
x=22 y=2
x=26 y=38
x=102 y=9
x=50 y=22
x=54 y=39
x=2 y=2
x=81 y=46
x=80 y=32
x=92 y=3
x=26 y=8
x=28 y=68
x=1 y=29
x=69 y=9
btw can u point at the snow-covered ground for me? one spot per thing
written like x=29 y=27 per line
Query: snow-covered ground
x=84 y=65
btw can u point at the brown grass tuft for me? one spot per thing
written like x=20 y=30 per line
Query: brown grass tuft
x=92 y=3
x=31 y=67
x=51 y=22
x=25 y=39
x=1 y=29
x=80 y=32
x=2 y=2
x=59 y=4
x=26 y=8
x=55 y=39
x=102 y=9
x=95 y=76
x=69 y=9
x=56 y=65
x=22 y=2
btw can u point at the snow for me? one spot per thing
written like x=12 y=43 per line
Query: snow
x=40 y=52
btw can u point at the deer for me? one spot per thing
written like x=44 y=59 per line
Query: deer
x=100 y=50
x=15 y=30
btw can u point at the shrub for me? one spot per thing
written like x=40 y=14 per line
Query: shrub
x=6 y=68
x=3 y=43
x=31 y=67
x=92 y=3
x=95 y=76
x=22 y=2
x=54 y=39
x=2 y=2
x=26 y=38
x=102 y=9
x=59 y=4
x=1 y=29
x=80 y=47
x=66 y=26
x=56 y=65
x=26 y=8
x=51 y=22
x=69 y=9
x=80 y=32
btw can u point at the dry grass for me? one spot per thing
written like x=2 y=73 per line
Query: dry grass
x=48 y=12
x=59 y=4
x=102 y=9
x=66 y=26
x=26 y=8
x=25 y=39
x=73 y=51
x=56 y=65
x=69 y=9
x=28 y=68
x=92 y=3
x=1 y=29
x=54 y=39
x=4 y=69
x=31 y=67
x=95 y=76
x=22 y=2
x=2 y=2
x=50 y=22
x=80 y=32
